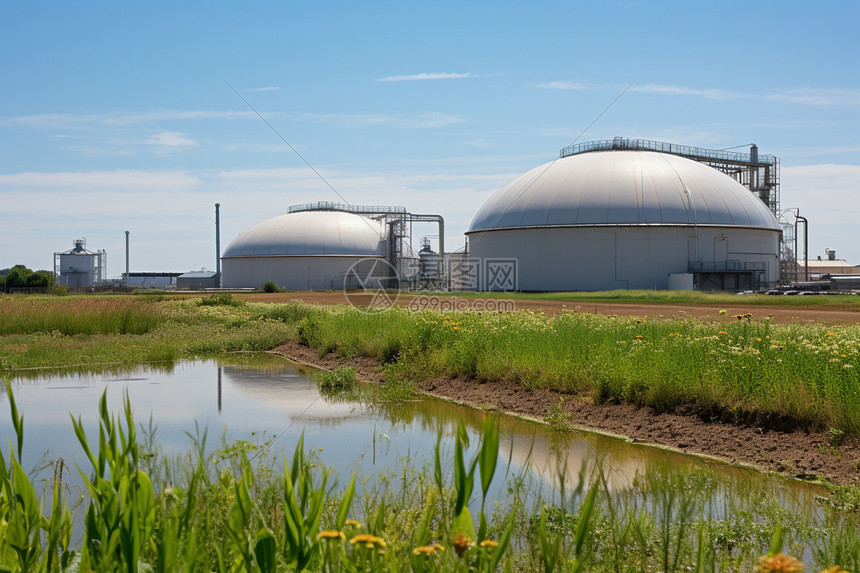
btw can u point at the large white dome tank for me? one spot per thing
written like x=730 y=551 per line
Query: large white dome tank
x=626 y=219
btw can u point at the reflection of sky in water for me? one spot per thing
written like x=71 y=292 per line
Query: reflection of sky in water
x=271 y=397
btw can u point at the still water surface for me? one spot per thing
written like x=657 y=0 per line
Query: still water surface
x=266 y=397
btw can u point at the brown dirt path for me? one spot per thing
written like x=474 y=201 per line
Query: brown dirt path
x=780 y=314
x=793 y=453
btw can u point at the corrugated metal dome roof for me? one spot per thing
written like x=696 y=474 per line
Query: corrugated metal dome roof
x=309 y=233
x=623 y=188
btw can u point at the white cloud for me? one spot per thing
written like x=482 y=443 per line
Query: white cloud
x=67 y=120
x=819 y=97
x=425 y=76
x=562 y=86
x=171 y=139
x=266 y=89
x=683 y=90
x=801 y=96
x=119 y=180
x=177 y=207
x=420 y=121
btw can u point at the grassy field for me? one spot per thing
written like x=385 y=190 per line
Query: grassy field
x=230 y=509
x=806 y=374
x=47 y=332
x=803 y=373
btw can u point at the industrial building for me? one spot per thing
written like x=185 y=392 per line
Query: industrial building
x=634 y=214
x=814 y=269
x=316 y=246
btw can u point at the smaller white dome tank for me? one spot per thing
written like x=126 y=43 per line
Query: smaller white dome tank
x=304 y=250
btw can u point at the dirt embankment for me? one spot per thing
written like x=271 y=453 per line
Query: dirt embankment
x=765 y=444
x=758 y=443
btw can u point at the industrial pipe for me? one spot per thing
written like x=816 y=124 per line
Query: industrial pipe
x=218 y=245
x=127 y=276
x=805 y=244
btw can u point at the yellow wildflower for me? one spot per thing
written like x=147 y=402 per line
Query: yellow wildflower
x=331 y=534
x=353 y=523
x=489 y=543
x=834 y=569
x=639 y=337
x=722 y=332
x=779 y=563
x=368 y=540
x=424 y=550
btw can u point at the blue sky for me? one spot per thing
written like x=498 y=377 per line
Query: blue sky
x=118 y=117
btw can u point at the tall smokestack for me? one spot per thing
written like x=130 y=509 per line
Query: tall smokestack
x=218 y=244
x=127 y=277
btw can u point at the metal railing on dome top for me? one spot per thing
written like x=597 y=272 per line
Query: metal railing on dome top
x=622 y=143
x=331 y=206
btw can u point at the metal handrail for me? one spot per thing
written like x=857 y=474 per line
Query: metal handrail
x=332 y=206
x=623 y=143
x=725 y=266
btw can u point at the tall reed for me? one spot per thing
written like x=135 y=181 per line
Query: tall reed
x=243 y=516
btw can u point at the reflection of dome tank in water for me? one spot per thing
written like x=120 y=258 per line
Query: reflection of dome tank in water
x=612 y=219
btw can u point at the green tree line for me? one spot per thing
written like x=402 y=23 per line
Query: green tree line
x=20 y=276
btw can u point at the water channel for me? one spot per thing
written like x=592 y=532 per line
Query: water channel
x=267 y=400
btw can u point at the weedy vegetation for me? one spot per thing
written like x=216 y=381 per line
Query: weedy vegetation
x=748 y=370
x=229 y=510
x=232 y=509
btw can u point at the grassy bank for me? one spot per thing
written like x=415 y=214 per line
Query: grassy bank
x=51 y=332
x=231 y=510
x=748 y=370
x=794 y=374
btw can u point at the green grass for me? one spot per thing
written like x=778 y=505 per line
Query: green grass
x=748 y=370
x=71 y=316
x=232 y=509
x=34 y=335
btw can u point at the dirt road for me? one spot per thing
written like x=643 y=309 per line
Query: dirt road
x=779 y=314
